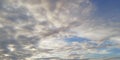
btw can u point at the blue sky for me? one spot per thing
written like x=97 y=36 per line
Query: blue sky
x=107 y=8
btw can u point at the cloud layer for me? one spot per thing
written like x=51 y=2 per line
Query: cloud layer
x=35 y=30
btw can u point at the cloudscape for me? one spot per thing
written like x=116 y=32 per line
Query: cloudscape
x=59 y=30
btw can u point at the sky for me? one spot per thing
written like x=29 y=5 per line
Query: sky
x=59 y=29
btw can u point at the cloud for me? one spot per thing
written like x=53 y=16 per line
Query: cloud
x=36 y=29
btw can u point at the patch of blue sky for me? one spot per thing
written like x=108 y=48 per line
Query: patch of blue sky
x=97 y=55
x=115 y=51
x=111 y=53
x=72 y=39
x=108 y=10
x=106 y=7
x=76 y=39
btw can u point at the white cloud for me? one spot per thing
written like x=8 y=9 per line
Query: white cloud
x=51 y=43
x=116 y=38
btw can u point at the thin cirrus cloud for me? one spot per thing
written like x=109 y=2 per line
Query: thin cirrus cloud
x=32 y=30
